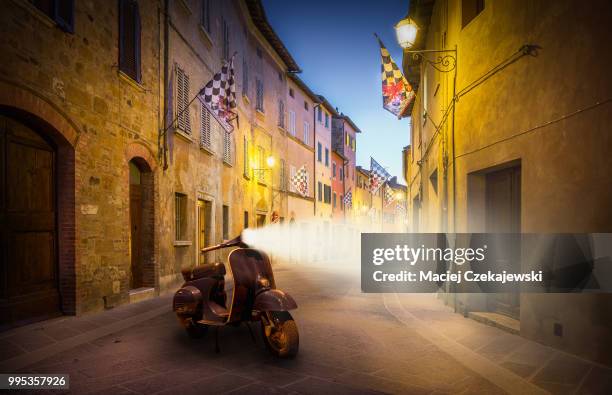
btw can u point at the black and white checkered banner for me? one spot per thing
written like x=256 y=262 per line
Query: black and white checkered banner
x=300 y=181
x=219 y=94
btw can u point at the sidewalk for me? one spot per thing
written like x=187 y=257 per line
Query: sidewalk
x=24 y=346
x=509 y=361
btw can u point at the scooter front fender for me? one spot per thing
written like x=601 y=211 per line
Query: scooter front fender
x=274 y=300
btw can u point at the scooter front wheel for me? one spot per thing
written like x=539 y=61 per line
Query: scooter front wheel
x=281 y=334
x=193 y=329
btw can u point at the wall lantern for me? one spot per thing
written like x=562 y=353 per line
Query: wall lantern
x=270 y=161
x=406 y=32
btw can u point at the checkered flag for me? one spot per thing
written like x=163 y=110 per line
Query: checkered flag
x=300 y=181
x=348 y=200
x=378 y=176
x=388 y=195
x=397 y=92
x=219 y=94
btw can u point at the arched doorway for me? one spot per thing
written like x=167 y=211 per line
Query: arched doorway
x=142 y=264
x=29 y=271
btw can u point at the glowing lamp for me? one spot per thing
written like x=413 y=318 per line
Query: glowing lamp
x=270 y=161
x=399 y=195
x=406 y=32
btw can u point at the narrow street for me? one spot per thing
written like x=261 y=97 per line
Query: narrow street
x=349 y=343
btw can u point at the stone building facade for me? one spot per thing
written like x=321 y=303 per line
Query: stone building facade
x=517 y=142
x=105 y=202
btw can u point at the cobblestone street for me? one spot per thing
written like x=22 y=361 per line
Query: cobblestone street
x=349 y=343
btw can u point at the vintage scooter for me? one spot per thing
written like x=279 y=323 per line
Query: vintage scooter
x=201 y=302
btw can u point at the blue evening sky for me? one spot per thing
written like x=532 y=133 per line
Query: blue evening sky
x=333 y=43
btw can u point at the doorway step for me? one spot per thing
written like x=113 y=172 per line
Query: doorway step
x=140 y=294
x=496 y=320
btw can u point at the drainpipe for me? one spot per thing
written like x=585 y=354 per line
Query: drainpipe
x=314 y=158
x=166 y=72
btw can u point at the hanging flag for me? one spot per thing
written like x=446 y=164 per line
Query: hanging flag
x=378 y=176
x=397 y=92
x=348 y=199
x=219 y=94
x=389 y=195
x=401 y=207
x=300 y=181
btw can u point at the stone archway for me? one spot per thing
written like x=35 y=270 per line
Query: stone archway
x=38 y=121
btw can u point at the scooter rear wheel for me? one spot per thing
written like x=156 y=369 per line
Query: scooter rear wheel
x=282 y=339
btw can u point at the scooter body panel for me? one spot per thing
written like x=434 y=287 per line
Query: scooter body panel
x=274 y=300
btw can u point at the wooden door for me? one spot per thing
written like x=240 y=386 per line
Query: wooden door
x=503 y=215
x=28 y=268
x=204 y=229
x=136 y=228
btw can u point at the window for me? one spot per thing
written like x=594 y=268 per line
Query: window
x=259 y=53
x=282 y=181
x=292 y=122
x=226 y=40
x=292 y=172
x=341 y=202
x=341 y=174
x=327 y=157
x=326 y=120
x=319 y=151
x=245 y=78
x=327 y=194
x=259 y=102
x=291 y=92
x=333 y=170
x=61 y=11
x=319 y=191
x=305 y=105
x=245 y=157
x=129 y=39
x=245 y=222
x=225 y=222
x=227 y=147
x=183 y=120
x=470 y=9
x=281 y=113
x=205 y=20
x=306 y=133
x=180 y=217
x=205 y=135
x=320 y=115
x=334 y=200
x=260 y=163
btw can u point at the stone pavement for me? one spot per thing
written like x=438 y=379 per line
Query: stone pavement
x=349 y=343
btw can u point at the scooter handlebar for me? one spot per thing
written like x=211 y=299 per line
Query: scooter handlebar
x=235 y=242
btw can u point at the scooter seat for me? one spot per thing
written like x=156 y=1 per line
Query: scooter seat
x=218 y=309
x=216 y=269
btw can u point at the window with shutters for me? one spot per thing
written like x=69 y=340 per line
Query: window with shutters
x=306 y=133
x=60 y=11
x=183 y=120
x=327 y=194
x=320 y=114
x=281 y=113
x=292 y=122
x=227 y=147
x=245 y=157
x=333 y=170
x=245 y=78
x=129 y=39
x=319 y=191
x=205 y=20
x=326 y=120
x=260 y=164
x=319 y=151
x=205 y=134
x=291 y=92
x=282 y=178
x=327 y=157
x=334 y=200
x=259 y=102
x=226 y=40
x=292 y=171
x=180 y=217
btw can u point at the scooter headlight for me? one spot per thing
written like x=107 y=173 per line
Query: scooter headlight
x=263 y=282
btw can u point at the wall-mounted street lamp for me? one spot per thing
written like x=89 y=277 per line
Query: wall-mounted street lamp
x=270 y=161
x=406 y=33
